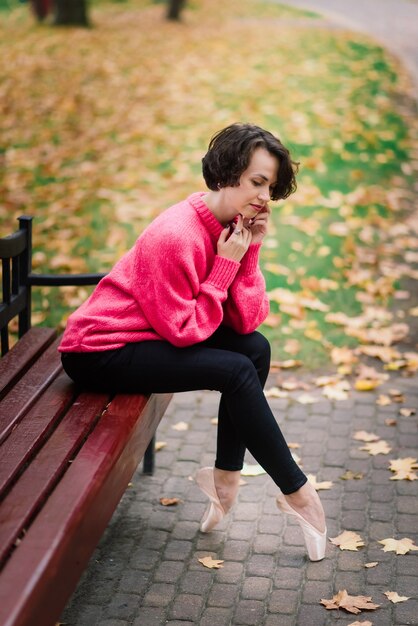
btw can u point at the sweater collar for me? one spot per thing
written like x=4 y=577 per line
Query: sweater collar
x=212 y=224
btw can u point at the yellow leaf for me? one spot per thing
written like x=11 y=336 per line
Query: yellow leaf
x=348 y=540
x=326 y=484
x=362 y=435
x=252 y=470
x=400 y=546
x=377 y=447
x=394 y=597
x=180 y=426
x=366 y=384
x=211 y=563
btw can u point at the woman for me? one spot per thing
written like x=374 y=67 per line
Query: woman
x=179 y=312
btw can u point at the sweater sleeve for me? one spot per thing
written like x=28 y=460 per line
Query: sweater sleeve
x=247 y=305
x=180 y=306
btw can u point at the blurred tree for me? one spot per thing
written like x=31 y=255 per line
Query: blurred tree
x=174 y=9
x=41 y=8
x=71 y=13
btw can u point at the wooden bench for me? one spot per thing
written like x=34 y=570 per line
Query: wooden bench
x=66 y=455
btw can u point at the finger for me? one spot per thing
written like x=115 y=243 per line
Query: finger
x=224 y=234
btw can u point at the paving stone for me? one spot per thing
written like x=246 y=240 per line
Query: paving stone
x=178 y=550
x=267 y=544
x=215 y=617
x=406 y=612
x=236 y=550
x=196 y=582
x=159 y=594
x=314 y=590
x=223 y=595
x=260 y=565
x=283 y=601
x=169 y=571
x=256 y=588
x=149 y=616
x=249 y=613
x=122 y=606
x=186 y=607
x=312 y=615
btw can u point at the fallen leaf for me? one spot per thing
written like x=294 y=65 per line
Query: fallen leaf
x=348 y=540
x=180 y=426
x=214 y=421
x=306 y=398
x=335 y=392
x=275 y=392
x=352 y=604
x=159 y=445
x=404 y=468
x=362 y=435
x=169 y=501
x=326 y=484
x=383 y=400
x=391 y=421
x=396 y=395
x=357 y=623
x=405 y=412
x=371 y=564
x=394 y=597
x=211 y=563
x=294 y=446
x=378 y=447
x=252 y=470
x=350 y=475
x=366 y=384
x=400 y=546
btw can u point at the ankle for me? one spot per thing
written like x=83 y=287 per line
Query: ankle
x=226 y=485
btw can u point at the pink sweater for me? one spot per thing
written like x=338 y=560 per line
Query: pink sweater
x=171 y=286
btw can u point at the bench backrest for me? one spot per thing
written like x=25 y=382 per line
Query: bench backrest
x=18 y=280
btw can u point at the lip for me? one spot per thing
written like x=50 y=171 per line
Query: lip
x=257 y=207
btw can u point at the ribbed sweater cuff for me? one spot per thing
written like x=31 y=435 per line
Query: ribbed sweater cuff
x=223 y=272
x=249 y=262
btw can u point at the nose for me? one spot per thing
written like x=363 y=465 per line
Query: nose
x=264 y=195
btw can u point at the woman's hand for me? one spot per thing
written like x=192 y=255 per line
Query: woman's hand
x=235 y=246
x=259 y=225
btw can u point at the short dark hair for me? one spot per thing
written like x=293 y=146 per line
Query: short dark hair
x=229 y=154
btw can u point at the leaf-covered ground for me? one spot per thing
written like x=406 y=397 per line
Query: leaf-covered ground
x=104 y=128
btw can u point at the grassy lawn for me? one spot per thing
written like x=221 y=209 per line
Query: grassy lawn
x=104 y=128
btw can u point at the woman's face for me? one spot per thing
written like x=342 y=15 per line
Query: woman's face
x=252 y=194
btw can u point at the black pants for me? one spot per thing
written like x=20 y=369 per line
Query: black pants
x=236 y=365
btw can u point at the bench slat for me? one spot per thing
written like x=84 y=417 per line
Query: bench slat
x=47 y=564
x=14 y=406
x=18 y=360
x=30 y=434
x=41 y=476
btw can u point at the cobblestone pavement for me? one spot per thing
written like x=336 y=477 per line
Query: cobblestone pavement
x=146 y=571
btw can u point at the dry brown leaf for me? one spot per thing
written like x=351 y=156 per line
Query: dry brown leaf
x=273 y=320
x=391 y=421
x=294 y=446
x=211 y=563
x=378 y=447
x=335 y=392
x=350 y=475
x=214 y=421
x=326 y=484
x=180 y=426
x=357 y=623
x=394 y=597
x=348 y=540
x=371 y=564
x=159 y=445
x=362 y=435
x=400 y=546
x=169 y=501
x=343 y=356
x=396 y=395
x=405 y=412
x=292 y=346
x=352 y=604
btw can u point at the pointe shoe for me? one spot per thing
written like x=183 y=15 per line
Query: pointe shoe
x=315 y=541
x=214 y=512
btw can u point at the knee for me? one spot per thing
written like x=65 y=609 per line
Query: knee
x=259 y=349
